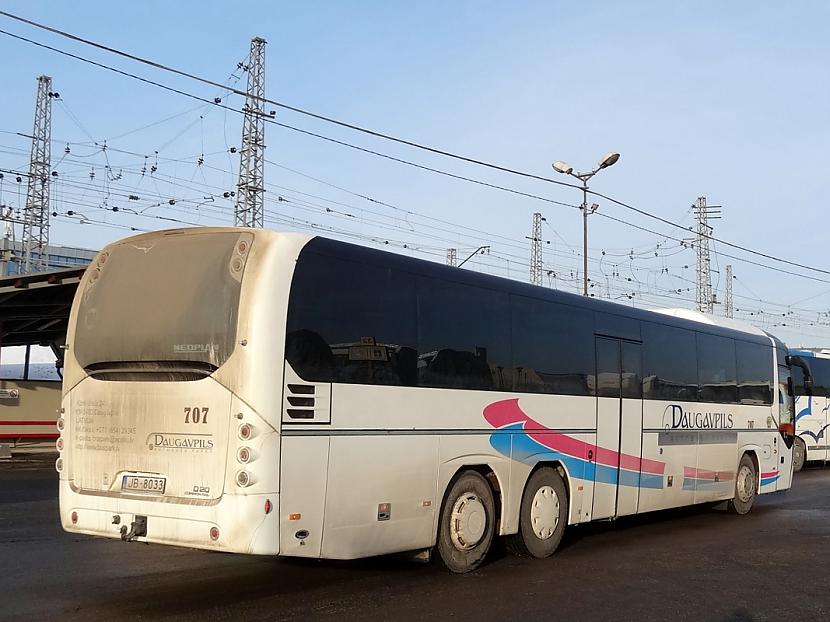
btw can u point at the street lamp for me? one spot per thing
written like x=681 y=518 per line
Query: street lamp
x=566 y=169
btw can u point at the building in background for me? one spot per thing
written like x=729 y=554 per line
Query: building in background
x=11 y=256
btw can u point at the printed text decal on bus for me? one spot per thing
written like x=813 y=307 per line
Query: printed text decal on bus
x=675 y=418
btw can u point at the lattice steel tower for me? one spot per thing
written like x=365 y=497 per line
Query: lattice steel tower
x=728 y=304
x=536 y=250
x=704 y=213
x=36 y=214
x=452 y=257
x=250 y=198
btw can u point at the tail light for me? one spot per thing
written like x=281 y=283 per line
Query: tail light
x=59 y=465
x=214 y=533
x=74 y=517
x=268 y=506
x=245 y=455
x=246 y=431
x=59 y=444
x=244 y=479
x=61 y=424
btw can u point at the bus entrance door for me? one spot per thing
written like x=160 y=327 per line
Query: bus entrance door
x=619 y=428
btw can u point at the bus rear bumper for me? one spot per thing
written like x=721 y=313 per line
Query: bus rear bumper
x=234 y=524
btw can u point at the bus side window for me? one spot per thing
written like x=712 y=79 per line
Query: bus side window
x=309 y=355
x=755 y=376
x=553 y=347
x=717 y=369
x=669 y=363
x=798 y=380
x=362 y=314
x=821 y=376
x=463 y=335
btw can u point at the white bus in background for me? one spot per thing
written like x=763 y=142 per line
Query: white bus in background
x=812 y=404
x=273 y=393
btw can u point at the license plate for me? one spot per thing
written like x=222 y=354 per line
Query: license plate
x=142 y=483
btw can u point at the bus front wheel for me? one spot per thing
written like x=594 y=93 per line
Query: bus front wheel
x=543 y=515
x=799 y=455
x=746 y=486
x=467 y=524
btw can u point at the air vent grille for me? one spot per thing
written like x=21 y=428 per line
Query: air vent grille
x=301 y=398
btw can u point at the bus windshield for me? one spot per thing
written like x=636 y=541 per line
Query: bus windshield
x=786 y=403
x=170 y=298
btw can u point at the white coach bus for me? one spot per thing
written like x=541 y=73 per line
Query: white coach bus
x=812 y=404
x=280 y=394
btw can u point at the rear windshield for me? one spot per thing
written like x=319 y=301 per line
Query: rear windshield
x=173 y=298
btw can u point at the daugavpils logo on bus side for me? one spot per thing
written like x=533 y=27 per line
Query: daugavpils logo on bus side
x=675 y=418
x=180 y=442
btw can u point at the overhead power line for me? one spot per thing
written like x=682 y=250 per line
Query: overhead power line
x=285 y=106
x=714 y=239
x=367 y=131
x=291 y=127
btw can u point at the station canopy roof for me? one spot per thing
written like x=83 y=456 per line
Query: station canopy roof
x=34 y=308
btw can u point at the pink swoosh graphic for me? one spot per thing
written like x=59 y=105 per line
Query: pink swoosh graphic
x=707 y=474
x=508 y=412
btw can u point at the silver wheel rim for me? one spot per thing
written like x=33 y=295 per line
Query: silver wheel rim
x=468 y=521
x=544 y=512
x=746 y=484
x=798 y=453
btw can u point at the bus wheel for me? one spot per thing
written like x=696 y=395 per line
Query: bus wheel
x=799 y=455
x=746 y=484
x=467 y=524
x=543 y=515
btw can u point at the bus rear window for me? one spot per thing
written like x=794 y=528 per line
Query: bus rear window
x=171 y=298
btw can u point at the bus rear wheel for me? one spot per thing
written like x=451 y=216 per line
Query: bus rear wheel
x=746 y=486
x=467 y=524
x=799 y=455
x=543 y=515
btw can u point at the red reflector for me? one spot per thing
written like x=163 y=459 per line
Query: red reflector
x=214 y=533
x=246 y=431
x=787 y=428
x=268 y=506
x=294 y=516
x=74 y=517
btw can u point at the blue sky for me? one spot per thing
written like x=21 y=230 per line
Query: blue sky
x=723 y=100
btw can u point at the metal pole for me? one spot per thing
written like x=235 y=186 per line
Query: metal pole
x=584 y=237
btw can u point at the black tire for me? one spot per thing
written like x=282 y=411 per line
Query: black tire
x=545 y=491
x=799 y=455
x=746 y=486
x=467 y=523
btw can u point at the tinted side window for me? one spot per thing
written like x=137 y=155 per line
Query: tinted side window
x=351 y=322
x=716 y=366
x=755 y=369
x=820 y=368
x=463 y=336
x=669 y=363
x=798 y=379
x=553 y=348
x=631 y=358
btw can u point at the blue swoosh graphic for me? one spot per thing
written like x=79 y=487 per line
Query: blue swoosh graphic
x=806 y=411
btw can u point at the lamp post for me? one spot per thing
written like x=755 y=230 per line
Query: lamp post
x=567 y=169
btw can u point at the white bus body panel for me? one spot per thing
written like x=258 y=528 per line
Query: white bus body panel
x=91 y=478
x=812 y=423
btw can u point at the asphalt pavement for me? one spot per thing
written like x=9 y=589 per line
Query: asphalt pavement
x=691 y=564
